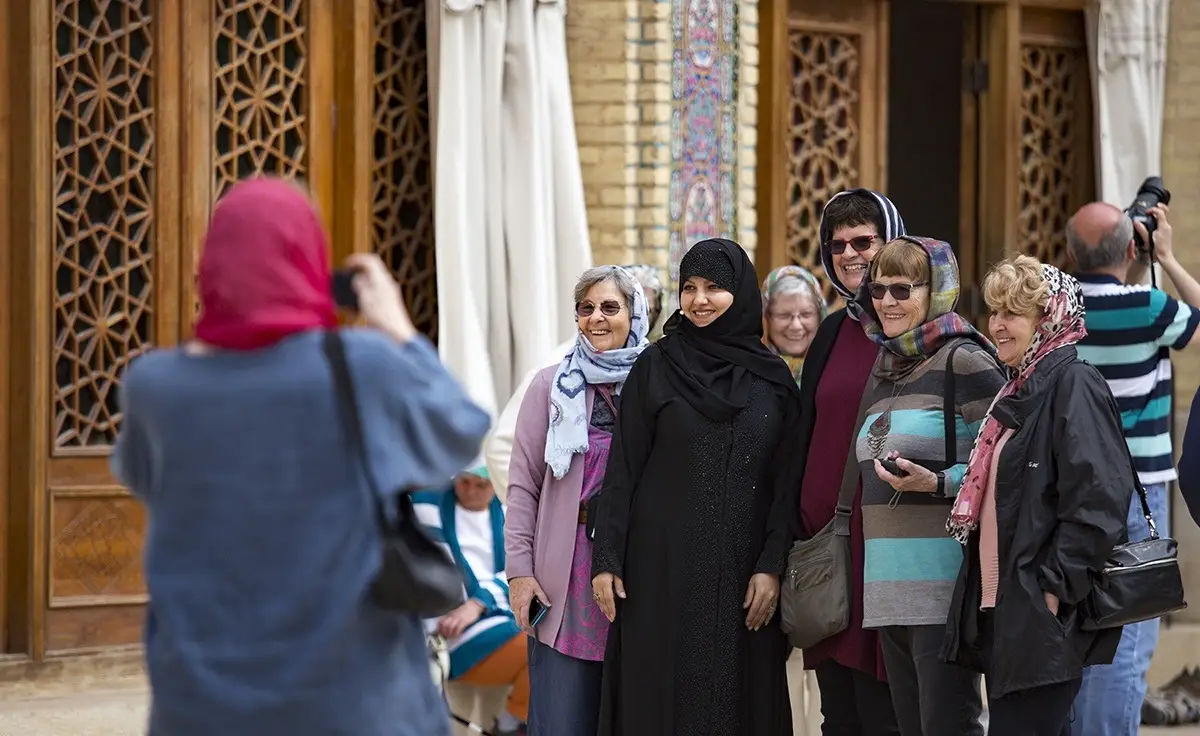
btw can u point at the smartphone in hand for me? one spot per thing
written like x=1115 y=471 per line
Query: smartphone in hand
x=537 y=611
x=893 y=468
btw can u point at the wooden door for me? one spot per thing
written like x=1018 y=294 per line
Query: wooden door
x=134 y=116
x=95 y=284
x=823 y=119
x=258 y=78
x=138 y=114
x=1036 y=163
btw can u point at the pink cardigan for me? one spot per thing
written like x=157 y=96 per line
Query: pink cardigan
x=542 y=513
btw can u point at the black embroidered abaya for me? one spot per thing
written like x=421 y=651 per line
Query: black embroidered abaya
x=699 y=495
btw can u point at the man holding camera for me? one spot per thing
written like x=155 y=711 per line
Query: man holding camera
x=1132 y=328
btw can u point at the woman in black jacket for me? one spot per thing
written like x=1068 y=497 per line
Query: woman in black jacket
x=1043 y=502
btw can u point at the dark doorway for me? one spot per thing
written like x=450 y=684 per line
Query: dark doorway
x=925 y=100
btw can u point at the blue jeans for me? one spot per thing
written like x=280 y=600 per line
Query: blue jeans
x=564 y=693
x=1110 y=701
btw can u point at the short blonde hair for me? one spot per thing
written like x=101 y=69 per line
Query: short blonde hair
x=902 y=258
x=1017 y=286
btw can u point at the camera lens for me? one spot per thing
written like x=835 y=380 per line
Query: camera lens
x=1151 y=193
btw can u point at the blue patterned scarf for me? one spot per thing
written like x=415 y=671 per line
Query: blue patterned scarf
x=586 y=366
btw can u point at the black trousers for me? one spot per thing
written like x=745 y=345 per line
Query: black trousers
x=854 y=703
x=931 y=698
x=1038 y=711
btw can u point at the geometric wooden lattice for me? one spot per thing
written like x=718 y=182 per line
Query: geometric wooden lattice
x=260 y=98
x=401 y=175
x=103 y=215
x=1050 y=75
x=823 y=139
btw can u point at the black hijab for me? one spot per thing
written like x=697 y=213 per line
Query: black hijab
x=711 y=366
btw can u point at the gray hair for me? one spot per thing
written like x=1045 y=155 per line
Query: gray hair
x=625 y=283
x=1108 y=253
x=791 y=284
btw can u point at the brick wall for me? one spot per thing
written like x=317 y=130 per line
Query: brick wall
x=619 y=53
x=620 y=59
x=747 y=216
x=1181 y=170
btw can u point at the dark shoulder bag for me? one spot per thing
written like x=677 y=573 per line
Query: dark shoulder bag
x=418 y=575
x=814 y=596
x=1139 y=581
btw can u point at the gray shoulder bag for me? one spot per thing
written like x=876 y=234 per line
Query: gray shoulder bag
x=815 y=591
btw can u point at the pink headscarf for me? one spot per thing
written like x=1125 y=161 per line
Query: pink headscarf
x=1060 y=325
x=264 y=271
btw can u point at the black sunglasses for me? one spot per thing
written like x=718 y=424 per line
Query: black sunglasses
x=609 y=308
x=901 y=292
x=859 y=243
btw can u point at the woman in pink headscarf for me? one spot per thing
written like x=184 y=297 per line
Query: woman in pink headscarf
x=1044 y=498
x=261 y=545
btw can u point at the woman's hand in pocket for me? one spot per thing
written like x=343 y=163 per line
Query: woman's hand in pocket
x=606 y=588
x=521 y=592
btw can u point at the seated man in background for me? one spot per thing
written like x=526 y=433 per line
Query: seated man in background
x=489 y=678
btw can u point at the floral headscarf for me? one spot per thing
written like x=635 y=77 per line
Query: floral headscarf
x=795 y=363
x=1060 y=325
x=942 y=324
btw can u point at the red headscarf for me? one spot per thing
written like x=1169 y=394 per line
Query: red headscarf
x=264 y=271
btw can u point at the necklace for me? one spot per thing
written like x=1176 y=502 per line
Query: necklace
x=877 y=433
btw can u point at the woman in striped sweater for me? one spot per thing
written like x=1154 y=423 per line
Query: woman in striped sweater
x=930 y=388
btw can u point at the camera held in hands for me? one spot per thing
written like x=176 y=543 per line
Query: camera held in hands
x=1151 y=193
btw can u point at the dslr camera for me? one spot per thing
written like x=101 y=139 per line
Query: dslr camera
x=1152 y=192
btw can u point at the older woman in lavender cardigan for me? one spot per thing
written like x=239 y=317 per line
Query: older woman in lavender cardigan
x=560 y=451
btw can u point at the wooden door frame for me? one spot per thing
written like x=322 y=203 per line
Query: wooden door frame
x=7 y=531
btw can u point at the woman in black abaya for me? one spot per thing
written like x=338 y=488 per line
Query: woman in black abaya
x=695 y=515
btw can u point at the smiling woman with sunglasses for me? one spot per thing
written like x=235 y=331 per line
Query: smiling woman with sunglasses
x=560 y=449
x=927 y=395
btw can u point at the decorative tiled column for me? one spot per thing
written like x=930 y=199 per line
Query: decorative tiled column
x=703 y=201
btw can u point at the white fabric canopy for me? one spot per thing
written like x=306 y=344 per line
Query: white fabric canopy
x=510 y=227
x=1127 y=43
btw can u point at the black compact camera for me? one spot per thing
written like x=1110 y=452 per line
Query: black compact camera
x=1152 y=192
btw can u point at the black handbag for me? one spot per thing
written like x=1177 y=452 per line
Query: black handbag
x=417 y=575
x=1139 y=581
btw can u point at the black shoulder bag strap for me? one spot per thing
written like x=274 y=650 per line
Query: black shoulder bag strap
x=948 y=413
x=343 y=385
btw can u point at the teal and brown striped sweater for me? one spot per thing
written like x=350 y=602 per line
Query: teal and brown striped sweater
x=911 y=562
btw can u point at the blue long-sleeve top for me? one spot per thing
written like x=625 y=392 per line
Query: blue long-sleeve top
x=261 y=543
x=1189 y=461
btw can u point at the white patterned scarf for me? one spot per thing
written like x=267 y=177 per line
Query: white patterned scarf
x=568 y=430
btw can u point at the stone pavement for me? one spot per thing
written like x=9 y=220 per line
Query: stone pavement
x=119 y=709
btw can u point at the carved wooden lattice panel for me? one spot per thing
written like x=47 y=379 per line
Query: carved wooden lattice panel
x=402 y=184
x=1049 y=90
x=260 y=95
x=103 y=216
x=824 y=138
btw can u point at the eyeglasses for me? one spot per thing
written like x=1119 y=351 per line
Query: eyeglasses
x=901 y=292
x=609 y=308
x=784 y=318
x=859 y=243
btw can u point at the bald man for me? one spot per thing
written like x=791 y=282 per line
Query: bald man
x=1132 y=329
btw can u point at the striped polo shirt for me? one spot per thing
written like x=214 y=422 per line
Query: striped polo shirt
x=1131 y=330
x=911 y=563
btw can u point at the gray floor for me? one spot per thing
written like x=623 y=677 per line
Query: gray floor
x=121 y=711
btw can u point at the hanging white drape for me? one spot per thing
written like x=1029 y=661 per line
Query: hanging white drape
x=510 y=229
x=1127 y=45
